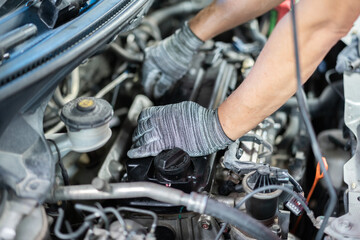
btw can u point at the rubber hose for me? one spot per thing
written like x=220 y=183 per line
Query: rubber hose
x=318 y=105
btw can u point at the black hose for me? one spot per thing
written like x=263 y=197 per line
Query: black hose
x=328 y=98
x=296 y=185
x=64 y=173
x=239 y=219
x=314 y=144
x=292 y=130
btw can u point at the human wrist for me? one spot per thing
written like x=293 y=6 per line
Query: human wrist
x=225 y=138
x=189 y=39
x=183 y=44
x=227 y=124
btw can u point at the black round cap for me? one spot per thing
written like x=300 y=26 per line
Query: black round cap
x=172 y=162
x=86 y=112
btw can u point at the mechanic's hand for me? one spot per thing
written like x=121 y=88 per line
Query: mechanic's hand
x=169 y=60
x=349 y=58
x=185 y=125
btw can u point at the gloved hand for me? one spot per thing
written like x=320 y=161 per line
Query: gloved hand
x=185 y=125
x=169 y=60
x=349 y=58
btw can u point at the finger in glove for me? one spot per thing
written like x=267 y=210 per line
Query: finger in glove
x=146 y=139
x=163 y=85
x=142 y=128
x=143 y=151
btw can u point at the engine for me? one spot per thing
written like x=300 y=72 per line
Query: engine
x=69 y=117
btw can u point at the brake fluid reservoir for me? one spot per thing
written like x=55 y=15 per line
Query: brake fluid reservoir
x=87 y=122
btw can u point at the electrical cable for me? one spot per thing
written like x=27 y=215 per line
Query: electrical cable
x=283 y=188
x=271 y=187
x=318 y=176
x=64 y=173
x=327 y=78
x=296 y=185
x=314 y=144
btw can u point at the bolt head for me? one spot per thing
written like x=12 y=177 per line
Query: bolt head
x=205 y=226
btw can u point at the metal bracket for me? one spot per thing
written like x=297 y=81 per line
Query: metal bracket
x=348 y=224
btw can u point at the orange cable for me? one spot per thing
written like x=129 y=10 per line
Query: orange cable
x=318 y=176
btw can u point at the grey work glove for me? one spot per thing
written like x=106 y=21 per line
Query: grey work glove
x=167 y=61
x=349 y=58
x=185 y=125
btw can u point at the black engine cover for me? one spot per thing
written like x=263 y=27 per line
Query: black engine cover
x=173 y=168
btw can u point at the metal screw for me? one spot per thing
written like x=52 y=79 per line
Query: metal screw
x=345 y=225
x=353 y=185
x=205 y=224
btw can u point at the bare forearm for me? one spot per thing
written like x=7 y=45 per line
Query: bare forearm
x=272 y=80
x=222 y=15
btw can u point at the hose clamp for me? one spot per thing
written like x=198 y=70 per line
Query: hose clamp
x=197 y=202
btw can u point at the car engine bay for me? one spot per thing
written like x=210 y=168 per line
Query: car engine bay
x=70 y=97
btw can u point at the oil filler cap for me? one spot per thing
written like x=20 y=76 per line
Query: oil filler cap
x=172 y=164
x=86 y=113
